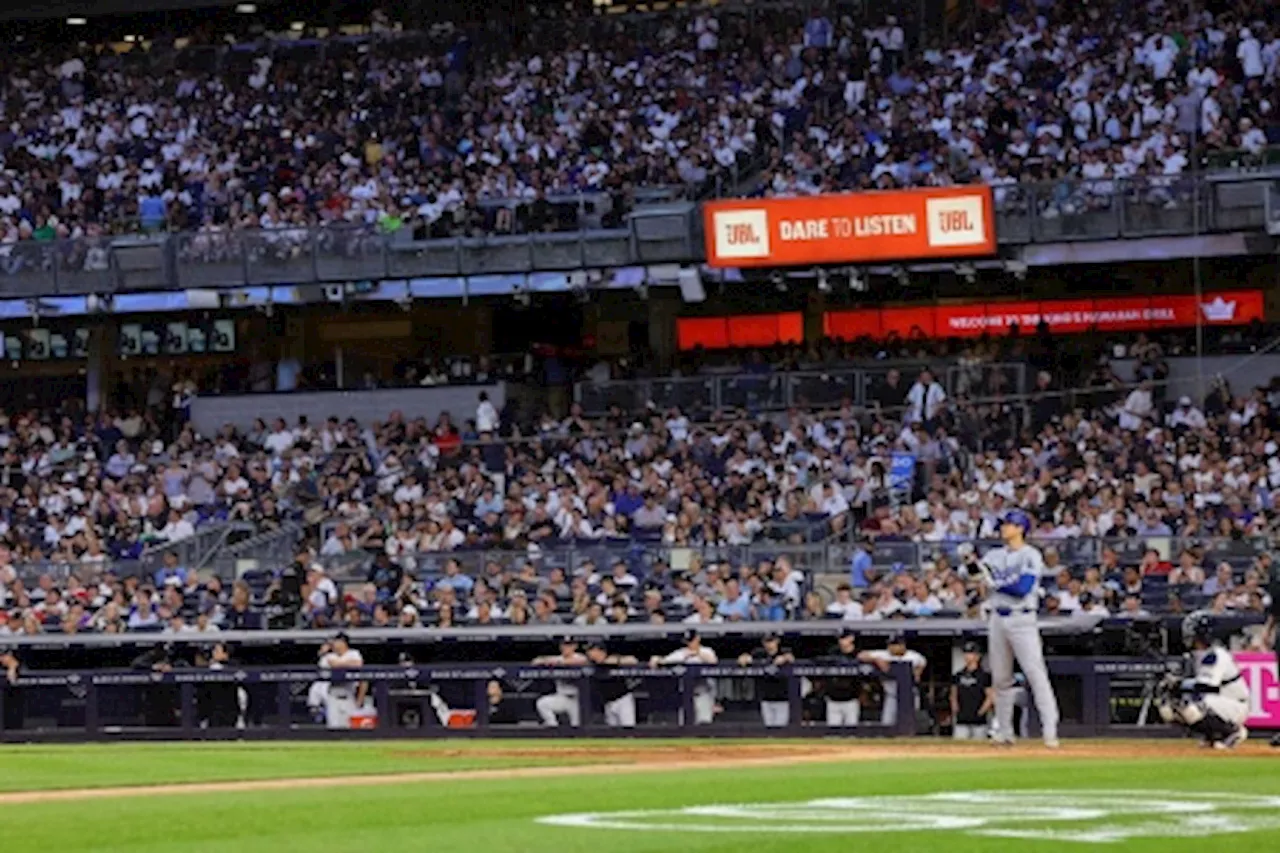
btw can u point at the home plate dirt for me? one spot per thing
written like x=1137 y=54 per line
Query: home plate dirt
x=642 y=760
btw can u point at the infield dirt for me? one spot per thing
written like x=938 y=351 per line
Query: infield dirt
x=640 y=759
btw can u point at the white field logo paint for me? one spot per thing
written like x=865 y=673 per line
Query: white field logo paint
x=1088 y=817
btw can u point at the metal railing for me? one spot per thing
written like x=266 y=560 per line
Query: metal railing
x=637 y=554
x=194 y=551
x=265 y=551
x=1067 y=210
x=1072 y=552
x=834 y=557
x=290 y=256
x=784 y=390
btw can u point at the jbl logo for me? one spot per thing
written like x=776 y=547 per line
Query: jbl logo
x=956 y=221
x=951 y=221
x=741 y=233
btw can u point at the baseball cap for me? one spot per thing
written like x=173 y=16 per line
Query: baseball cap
x=771 y=637
x=691 y=635
x=568 y=641
x=972 y=646
x=846 y=632
x=897 y=639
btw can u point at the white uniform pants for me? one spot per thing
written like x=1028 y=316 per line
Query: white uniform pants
x=843 y=713
x=339 y=705
x=704 y=706
x=889 y=712
x=775 y=715
x=970 y=732
x=563 y=701
x=621 y=712
x=1233 y=711
x=1017 y=637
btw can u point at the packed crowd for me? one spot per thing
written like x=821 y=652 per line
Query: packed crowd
x=85 y=491
x=441 y=134
x=452 y=523
x=432 y=134
x=1053 y=90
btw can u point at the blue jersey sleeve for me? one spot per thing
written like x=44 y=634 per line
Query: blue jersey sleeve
x=1019 y=588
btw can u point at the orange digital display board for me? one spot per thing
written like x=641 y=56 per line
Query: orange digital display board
x=942 y=222
x=739 y=330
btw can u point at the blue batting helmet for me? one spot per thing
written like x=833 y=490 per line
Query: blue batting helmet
x=1019 y=518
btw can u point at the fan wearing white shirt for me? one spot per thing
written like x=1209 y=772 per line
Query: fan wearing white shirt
x=1249 y=52
x=486 y=415
x=1186 y=416
x=925 y=401
x=844 y=607
x=1137 y=407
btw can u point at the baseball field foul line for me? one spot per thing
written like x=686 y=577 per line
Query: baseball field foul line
x=641 y=763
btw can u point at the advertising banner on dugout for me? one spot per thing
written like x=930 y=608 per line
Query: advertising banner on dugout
x=1063 y=317
x=1259 y=671
x=942 y=222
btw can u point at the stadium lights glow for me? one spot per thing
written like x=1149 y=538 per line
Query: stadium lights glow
x=246 y=8
x=298 y=26
x=77 y=22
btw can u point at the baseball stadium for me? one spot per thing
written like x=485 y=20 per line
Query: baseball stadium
x=610 y=424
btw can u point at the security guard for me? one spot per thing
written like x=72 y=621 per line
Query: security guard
x=972 y=697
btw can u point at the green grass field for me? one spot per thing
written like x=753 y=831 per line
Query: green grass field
x=1091 y=802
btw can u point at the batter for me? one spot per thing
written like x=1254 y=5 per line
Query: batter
x=1013 y=576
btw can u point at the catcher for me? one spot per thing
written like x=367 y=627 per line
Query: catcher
x=1214 y=702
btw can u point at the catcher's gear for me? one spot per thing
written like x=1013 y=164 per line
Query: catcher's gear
x=1192 y=713
x=1197 y=627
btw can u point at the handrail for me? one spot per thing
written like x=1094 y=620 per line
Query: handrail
x=831 y=556
x=932 y=627
x=782 y=390
x=1052 y=212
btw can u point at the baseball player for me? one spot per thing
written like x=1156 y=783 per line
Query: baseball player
x=1214 y=702
x=565 y=698
x=972 y=697
x=1012 y=575
x=775 y=700
x=704 y=689
x=339 y=701
x=897 y=652
x=843 y=693
x=619 y=699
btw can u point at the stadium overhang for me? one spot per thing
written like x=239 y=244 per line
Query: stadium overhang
x=20 y=10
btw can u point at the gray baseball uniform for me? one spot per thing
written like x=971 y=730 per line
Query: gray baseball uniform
x=1015 y=598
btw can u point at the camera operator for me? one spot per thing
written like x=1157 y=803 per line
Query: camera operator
x=284 y=596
